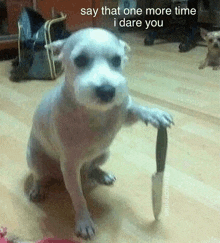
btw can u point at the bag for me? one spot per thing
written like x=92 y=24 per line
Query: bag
x=34 y=32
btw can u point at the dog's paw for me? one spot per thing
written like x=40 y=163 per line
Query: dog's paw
x=201 y=66
x=85 y=228
x=38 y=193
x=102 y=177
x=157 y=118
x=216 y=68
x=107 y=179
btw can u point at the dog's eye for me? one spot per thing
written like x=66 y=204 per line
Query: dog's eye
x=81 y=61
x=116 y=61
x=210 y=40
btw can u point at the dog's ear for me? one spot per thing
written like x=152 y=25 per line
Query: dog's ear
x=127 y=48
x=203 y=33
x=56 y=47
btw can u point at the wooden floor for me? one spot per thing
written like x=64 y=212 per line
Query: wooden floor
x=158 y=76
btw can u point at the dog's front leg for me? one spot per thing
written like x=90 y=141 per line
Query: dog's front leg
x=216 y=68
x=84 y=226
x=154 y=116
x=204 y=63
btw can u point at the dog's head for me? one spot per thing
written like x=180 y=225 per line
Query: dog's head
x=212 y=39
x=93 y=59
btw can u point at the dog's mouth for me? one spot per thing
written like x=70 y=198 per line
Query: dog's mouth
x=102 y=103
x=105 y=102
x=98 y=104
x=216 y=46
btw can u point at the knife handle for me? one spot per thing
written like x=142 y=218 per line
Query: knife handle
x=161 y=149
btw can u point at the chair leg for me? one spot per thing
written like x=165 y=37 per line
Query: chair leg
x=150 y=38
x=190 y=29
x=189 y=42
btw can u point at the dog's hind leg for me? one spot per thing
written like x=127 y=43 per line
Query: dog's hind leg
x=100 y=176
x=39 y=190
x=43 y=169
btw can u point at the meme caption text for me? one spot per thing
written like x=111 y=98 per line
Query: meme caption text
x=137 y=12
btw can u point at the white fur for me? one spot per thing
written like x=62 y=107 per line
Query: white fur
x=72 y=130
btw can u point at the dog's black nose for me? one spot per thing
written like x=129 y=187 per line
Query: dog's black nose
x=105 y=92
x=215 y=45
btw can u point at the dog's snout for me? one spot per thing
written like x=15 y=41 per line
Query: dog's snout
x=105 y=92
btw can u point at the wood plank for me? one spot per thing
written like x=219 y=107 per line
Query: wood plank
x=158 y=76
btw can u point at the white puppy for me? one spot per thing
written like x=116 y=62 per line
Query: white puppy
x=77 y=121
